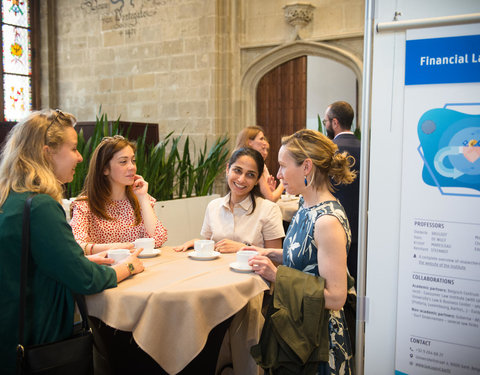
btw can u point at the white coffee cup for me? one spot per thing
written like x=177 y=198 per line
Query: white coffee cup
x=243 y=256
x=147 y=243
x=204 y=247
x=118 y=254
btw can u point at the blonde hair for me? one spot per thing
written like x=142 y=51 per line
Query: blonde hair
x=23 y=162
x=328 y=162
x=247 y=134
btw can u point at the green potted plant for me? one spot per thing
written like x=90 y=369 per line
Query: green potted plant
x=182 y=184
x=170 y=174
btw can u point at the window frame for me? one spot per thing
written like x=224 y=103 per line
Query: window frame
x=35 y=56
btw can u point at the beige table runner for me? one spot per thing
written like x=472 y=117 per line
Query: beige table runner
x=172 y=306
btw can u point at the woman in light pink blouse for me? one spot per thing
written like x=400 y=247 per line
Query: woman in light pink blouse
x=114 y=208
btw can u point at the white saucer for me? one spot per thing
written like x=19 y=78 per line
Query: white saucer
x=208 y=256
x=150 y=254
x=235 y=266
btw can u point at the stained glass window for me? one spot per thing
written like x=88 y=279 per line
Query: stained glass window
x=17 y=59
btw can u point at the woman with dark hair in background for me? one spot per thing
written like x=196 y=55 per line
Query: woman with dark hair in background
x=254 y=137
x=243 y=216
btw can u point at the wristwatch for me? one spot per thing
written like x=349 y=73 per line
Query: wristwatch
x=131 y=268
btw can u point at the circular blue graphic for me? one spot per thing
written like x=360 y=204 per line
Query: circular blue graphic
x=462 y=139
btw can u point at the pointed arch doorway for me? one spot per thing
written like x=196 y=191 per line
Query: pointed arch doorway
x=281 y=104
x=264 y=68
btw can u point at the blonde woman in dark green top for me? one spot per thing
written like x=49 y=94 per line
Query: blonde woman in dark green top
x=40 y=155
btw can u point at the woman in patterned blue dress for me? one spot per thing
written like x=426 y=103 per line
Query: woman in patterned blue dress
x=318 y=238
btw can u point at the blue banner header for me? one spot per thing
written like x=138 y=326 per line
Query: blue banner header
x=442 y=60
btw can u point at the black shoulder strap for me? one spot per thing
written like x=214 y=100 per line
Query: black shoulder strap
x=24 y=267
x=82 y=307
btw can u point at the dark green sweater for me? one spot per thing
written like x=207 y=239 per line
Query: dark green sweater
x=57 y=268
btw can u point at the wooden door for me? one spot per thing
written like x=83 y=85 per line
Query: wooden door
x=282 y=104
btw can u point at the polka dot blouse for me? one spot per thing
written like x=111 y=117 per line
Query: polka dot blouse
x=89 y=228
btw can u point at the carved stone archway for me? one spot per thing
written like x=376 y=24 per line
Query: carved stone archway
x=262 y=65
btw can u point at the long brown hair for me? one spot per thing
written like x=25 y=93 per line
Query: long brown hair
x=247 y=134
x=97 y=187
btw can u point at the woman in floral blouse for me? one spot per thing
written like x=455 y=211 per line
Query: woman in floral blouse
x=318 y=238
x=114 y=208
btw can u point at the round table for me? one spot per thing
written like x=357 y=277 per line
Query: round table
x=171 y=307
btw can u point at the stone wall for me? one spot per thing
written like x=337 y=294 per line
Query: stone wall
x=176 y=62
x=331 y=19
x=179 y=63
x=188 y=65
x=143 y=60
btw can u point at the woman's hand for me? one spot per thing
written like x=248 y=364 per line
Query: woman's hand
x=275 y=255
x=272 y=183
x=123 y=271
x=150 y=221
x=187 y=245
x=264 y=267
x=100 y=258
x=140 y=186
x=228 y=246
x=133 y=258
x=259 y=250
x=98 y=248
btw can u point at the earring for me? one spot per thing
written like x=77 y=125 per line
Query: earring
x=306 y=181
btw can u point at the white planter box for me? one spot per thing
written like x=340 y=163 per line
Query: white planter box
x=183 y=218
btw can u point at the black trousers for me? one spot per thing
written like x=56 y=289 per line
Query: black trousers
x=117 y=353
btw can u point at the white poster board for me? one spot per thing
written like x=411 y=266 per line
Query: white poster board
x=438 y=303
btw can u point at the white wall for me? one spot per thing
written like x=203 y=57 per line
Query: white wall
x=384 y=200
x=183 y=218
x=328 y=81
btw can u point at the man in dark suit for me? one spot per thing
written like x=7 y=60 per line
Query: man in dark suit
x=338 y=122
